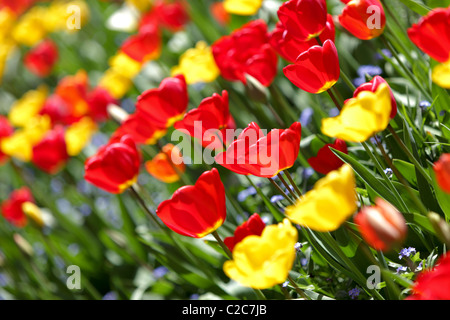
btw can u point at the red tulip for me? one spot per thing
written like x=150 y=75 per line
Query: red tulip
x=364 y=19
x=12 y=208
x=304 y=19
x=432 y=34
x=259 y=155
x=98 y=101
x=315 y=70
x=167 y=104
x=219 y=13
x=144 y=46
x=196 y=211
x=115 y=167
x=254 y=226
x=381 y=225
x=372 y=86
x=246 y=51
x=140 y=129
x=209 y=122
x=41 y=59
x=172 y=16
x=5 y=131
x=326 y=161
x=50 y=154
x=290 y=47
x=442 y=172
x=167 y=165
x=433 y=284
x=17 y=6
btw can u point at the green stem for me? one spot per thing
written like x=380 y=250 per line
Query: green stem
x=281 y=191
x=297 y=288
x=288 y=175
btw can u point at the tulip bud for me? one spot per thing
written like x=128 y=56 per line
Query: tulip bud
x=23 y=245
x=381 y=225
x=441 y=227
x=34 y=213
x=255 y=89
x=442 y=171
x=117 y=113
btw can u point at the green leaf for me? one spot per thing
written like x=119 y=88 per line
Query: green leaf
x=416 y=6
x=442 y=197
x=407 y=170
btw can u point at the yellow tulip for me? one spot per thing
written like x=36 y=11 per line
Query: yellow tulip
x=30 y=29
x=260 y=262
x=20 y=144
x=141 y=5
x=28 y=106
x=33 y=212
x=197 y=64
x=66 y=16
x=242 y=7
x=361 y=117
x=441 y=75
x=78 y=135
x=124 y=65
x=329 y=204
x=115 y=83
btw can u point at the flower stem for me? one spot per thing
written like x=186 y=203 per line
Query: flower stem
x=288 y=175
x=281 y=191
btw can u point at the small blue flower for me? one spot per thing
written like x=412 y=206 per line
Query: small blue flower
x=110 y=296
x=406 y=252
x=334 y=112
x=276 y=198
x=307 y=173
x=424 y=104
x=194 y=296
x=386 y=52
x=303 y=262
x=244 y=194
x=306 y=116
x=160 y=272
x=388 y=172
x=354 y=293
x=298 y=246
x=74 y=249
x=285 y=284
x=401 y=269
x=369 y=70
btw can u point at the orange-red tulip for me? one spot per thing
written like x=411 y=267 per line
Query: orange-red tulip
x=326 y=161
x=254 y=226
x=196 y=211
x=209 y=122
x=246 y=52
x=144 y=46
x=115 y=167
x=167 y=165
x=50 y=154
x=41 y=59
x=165 y=105
x=289 y=47
x=381 y=225
x=442 y=171
x=364 y=19
x=315 y=70
x=12 y=208
x=252 y=153
x=304 y=19
x=432 y=34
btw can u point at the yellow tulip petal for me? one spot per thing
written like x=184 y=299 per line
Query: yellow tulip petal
x=242 y=7
x=361 y=117
x=27 y=107
x=261 y=262
x=78 y=135
x=329 y=204
x=441 y=75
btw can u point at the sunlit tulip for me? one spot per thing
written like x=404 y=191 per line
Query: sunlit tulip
x=115 y=82
x=329 y=204
x=50 y=154
x=253 y=226
x=442 y=172
x=381 y=225
x=304 y=19
x=20 y=144
x=253 y=153
x=441 y=75
x=11 y=208
x=433 y=284
x=5 y=131
x=432 y=34
x=209 y=122
x=372 y=86
x=326 y=161
x=144 y=46
x=98 y=101
x=364 y=19
x=261 y=262
x=289 y=47
x=115 y=167
x=315 y=70
x=242 y=7
x=28 y=106
x=124 y=65
x=140 y=129
x=78 y=135
x=167 y=165
x=196 y=211
x=167 y=104
x=361 y=117
x=197 y=65
x=246 y=51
